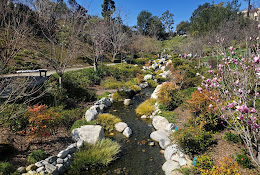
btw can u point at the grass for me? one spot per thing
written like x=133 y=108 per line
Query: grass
x=101 y=153
x=81 y=122
x=170 y=116
x=107 y=121
x=146 y=108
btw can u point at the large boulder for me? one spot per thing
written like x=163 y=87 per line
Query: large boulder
x=170 y=151
x=88 y=133
x=158 y=135
x=164 y=143
x=160 y=122
x=104 y=101
x=148 y=77
x=169 y=166
x=127 y=132
x=156 y=92
x=91 y=114
x=120 y=126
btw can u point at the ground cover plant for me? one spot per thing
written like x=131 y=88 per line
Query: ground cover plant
x=99 y=154
x=146 y=108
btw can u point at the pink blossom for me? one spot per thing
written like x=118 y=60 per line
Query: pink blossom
x=199 y=88
x=253 y=110
x=258 y=26
x=220 y=66
x=202 y=77
x=210 y=71
x=256 y=59
x=250 y=38
x=231 y=48
x=210 y=106
x=209 y=43
x=215 y=79
x=242 y=109
x=198 y=74
x=234 y=53
x=256 y=125
x=241 y=117
x=230 y=105
x=195 y=67
x=226 y=92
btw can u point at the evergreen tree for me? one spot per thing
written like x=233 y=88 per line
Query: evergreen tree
x=108 y=8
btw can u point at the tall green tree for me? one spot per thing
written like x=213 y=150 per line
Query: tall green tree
x=183 y=26
x=167 y=20
x=108 y=8
x=144 y=21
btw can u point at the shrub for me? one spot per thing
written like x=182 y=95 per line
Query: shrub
x=204 y=162
x=6 y=168
x=152 y=83
x=243 y=160
x=169 y=95
x=107 y=121
x=199 y=103
x=111 y=83
x=193 y=140
x=121 y=95
x=146 y=108
x=136 y=88
x=160 y=79
x=42 y=121
x=224 y=167
x=139 y=78
x=13 y=116
x=229 y=136
x=99 y=154
x=36 y=156
x=210 y=122
x=105 y=94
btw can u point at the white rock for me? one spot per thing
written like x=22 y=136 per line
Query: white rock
x=127 y=132
x=181 y=154
x=170 y=150
x=175 y=157
x=160 y=122
x=80 y=143
x=156 y=92
x=158 y=135
x=88 y=133
x=91 y=114
x=144 y=117
x=148 y=77
x=182 y=161
x=60 y=161
x=169 y=166
x=170 y=127
x=51 y=169
x=40 y=169
x=164 y=143
x=63 y=154
x=127 y=102
x=120 y=126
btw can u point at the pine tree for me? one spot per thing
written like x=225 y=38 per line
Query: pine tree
x=108 y=8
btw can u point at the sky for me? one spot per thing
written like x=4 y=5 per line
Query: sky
x=181 y=9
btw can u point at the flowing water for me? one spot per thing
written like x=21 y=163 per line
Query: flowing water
x=136 y=157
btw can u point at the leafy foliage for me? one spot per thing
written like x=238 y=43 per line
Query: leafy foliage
x=229 y=136
x=152 y=83
x=99 y=154
x=36 y=156
x=146 y=108
x=79 y=123
x=243 y=160
x=41 y=121
x=204 y=161
x=107 y=121
x=193 y=140
x=224 y=167
x=6 y=168
x=169 y=95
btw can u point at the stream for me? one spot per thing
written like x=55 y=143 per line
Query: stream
x=136 y=157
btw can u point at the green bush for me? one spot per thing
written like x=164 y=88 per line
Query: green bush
x=244 y=160
x=229 y=136
x=146 y=108
x=193 y=140
x=121 y=95
x=6 y=168
x=13 y=117
x=204 y=162
x=111 y=83
x=152 y=83
x=160 y=79
x=136 y=88
x=105 y=94
x=99 y=154
x=36 y=156
x=169 y=96
x=107 y=121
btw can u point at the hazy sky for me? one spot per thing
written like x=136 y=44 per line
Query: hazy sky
x=182 y=9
